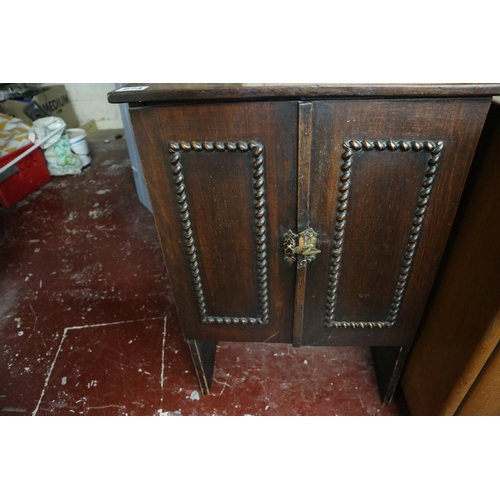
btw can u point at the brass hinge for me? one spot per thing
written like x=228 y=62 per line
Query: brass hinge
x=305 y=248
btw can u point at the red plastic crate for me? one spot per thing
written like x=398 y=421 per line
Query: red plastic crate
x=33 y=173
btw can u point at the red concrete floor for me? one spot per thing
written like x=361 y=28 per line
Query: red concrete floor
x=88 y=324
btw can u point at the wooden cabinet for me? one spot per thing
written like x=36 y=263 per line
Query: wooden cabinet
x=304 y=216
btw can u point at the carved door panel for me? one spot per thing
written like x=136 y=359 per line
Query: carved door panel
x=386 y=177
x=222 y=183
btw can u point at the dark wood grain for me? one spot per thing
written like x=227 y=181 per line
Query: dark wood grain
x=211 y=200
x=389 y=363
x=461 y=328
x=203 y=354
x=218 y=186
x=303 y=189
x=384 y=195
x=177 y=92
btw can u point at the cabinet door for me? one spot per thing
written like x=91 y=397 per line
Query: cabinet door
x=386 y=178
x=222 y=183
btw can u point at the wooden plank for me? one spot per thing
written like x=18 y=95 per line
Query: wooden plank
x=383 y=210
x=222 y=183
x=175 y=92
x=203 y=355
x=483 y=399
x=461 y=330
x=303 y=188
x=389 y=362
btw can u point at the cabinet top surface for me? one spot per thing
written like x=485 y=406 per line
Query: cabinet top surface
x=178 y=92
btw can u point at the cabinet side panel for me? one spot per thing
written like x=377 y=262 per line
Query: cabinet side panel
x=222 y=182
x=461 y=327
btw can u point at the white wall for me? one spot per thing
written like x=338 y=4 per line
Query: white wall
x=89 y=101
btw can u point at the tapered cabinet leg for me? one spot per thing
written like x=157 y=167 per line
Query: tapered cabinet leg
x=203 y=355
x=389 y=363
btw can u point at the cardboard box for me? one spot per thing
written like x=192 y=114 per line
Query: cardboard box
x=15 y=108
x=55 y=101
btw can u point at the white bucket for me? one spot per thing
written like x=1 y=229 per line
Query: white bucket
x=79 y=145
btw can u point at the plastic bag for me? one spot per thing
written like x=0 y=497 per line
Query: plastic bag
x=14 y=134
x=57 y=150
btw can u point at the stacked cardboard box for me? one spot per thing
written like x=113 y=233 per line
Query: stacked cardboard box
x=53 y=100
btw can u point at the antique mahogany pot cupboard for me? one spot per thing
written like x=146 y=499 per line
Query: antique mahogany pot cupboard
x=311 y=215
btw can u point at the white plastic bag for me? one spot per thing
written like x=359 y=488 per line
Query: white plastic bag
x=45 y=126
x=57 y=150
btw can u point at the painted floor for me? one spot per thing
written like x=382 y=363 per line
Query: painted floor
x=88 y=324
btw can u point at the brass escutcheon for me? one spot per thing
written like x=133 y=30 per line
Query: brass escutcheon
x=304 y=250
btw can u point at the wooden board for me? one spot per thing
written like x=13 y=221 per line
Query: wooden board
x=222 y=204
x=386 y=178
x=177 y=92
x=461 y=328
